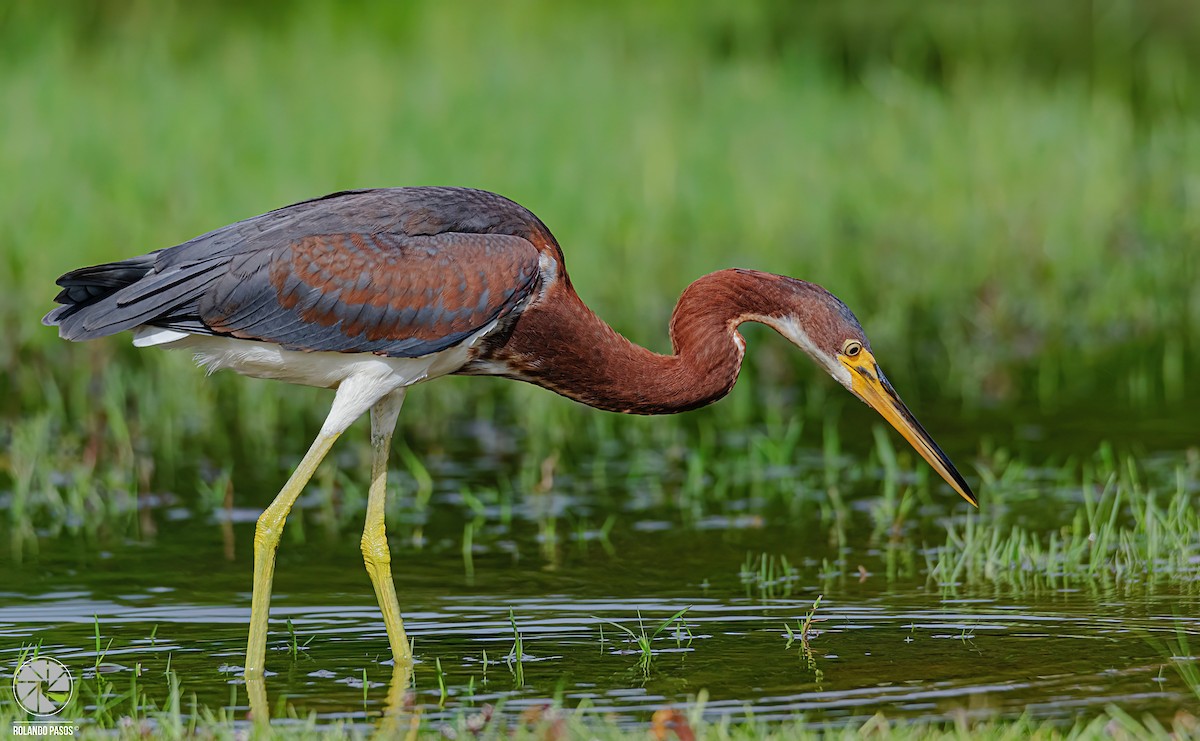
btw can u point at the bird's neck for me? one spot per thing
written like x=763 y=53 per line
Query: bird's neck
x=560 y=344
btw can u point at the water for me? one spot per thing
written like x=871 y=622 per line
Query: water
x=570 y=564
x=900 y=652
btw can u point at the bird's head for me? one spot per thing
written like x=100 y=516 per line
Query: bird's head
x=822 y=326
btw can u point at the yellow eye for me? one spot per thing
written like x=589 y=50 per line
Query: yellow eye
x=851 y=348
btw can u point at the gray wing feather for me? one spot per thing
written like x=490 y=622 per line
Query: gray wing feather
x=139 y=303
x=401 y=272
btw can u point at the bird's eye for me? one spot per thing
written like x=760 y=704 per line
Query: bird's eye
x=851 y=348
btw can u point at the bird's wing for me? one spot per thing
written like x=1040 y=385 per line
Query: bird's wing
x=395 y=295
x=399 y=271
x=390 y=294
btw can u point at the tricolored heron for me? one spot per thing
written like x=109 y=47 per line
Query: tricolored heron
x=372 y=291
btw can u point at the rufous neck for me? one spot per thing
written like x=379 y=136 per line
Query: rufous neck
x=563 y=346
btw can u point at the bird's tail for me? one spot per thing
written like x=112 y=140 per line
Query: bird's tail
x=84 y=287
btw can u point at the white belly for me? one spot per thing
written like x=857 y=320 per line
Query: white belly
x=322 y=369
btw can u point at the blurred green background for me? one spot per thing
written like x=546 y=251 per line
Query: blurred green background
x=1006 y=193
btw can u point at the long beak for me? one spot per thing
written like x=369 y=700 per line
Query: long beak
x=870 y=385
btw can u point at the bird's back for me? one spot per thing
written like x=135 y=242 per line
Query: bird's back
x=400 y=272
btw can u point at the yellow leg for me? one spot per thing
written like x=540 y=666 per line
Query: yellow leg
x=355 y=395
x=266 y=539
x=376 y=554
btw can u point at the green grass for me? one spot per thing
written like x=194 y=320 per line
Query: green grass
x=973 y=225
x=645 y=641
x=1132 y=526
x=1006 y=238
x=1112 y=517
x=177 y=718
x=515 y=660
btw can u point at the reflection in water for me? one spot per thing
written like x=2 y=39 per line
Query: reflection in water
x=396 y=710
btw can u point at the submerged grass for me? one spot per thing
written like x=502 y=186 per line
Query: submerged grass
x=1178 y=654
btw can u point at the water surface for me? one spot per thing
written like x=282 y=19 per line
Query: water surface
x=574 y=555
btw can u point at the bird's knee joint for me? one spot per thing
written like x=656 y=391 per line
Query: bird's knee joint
x=375 y=551
x=266 y=531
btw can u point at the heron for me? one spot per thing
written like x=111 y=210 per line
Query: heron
x=369 y=292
